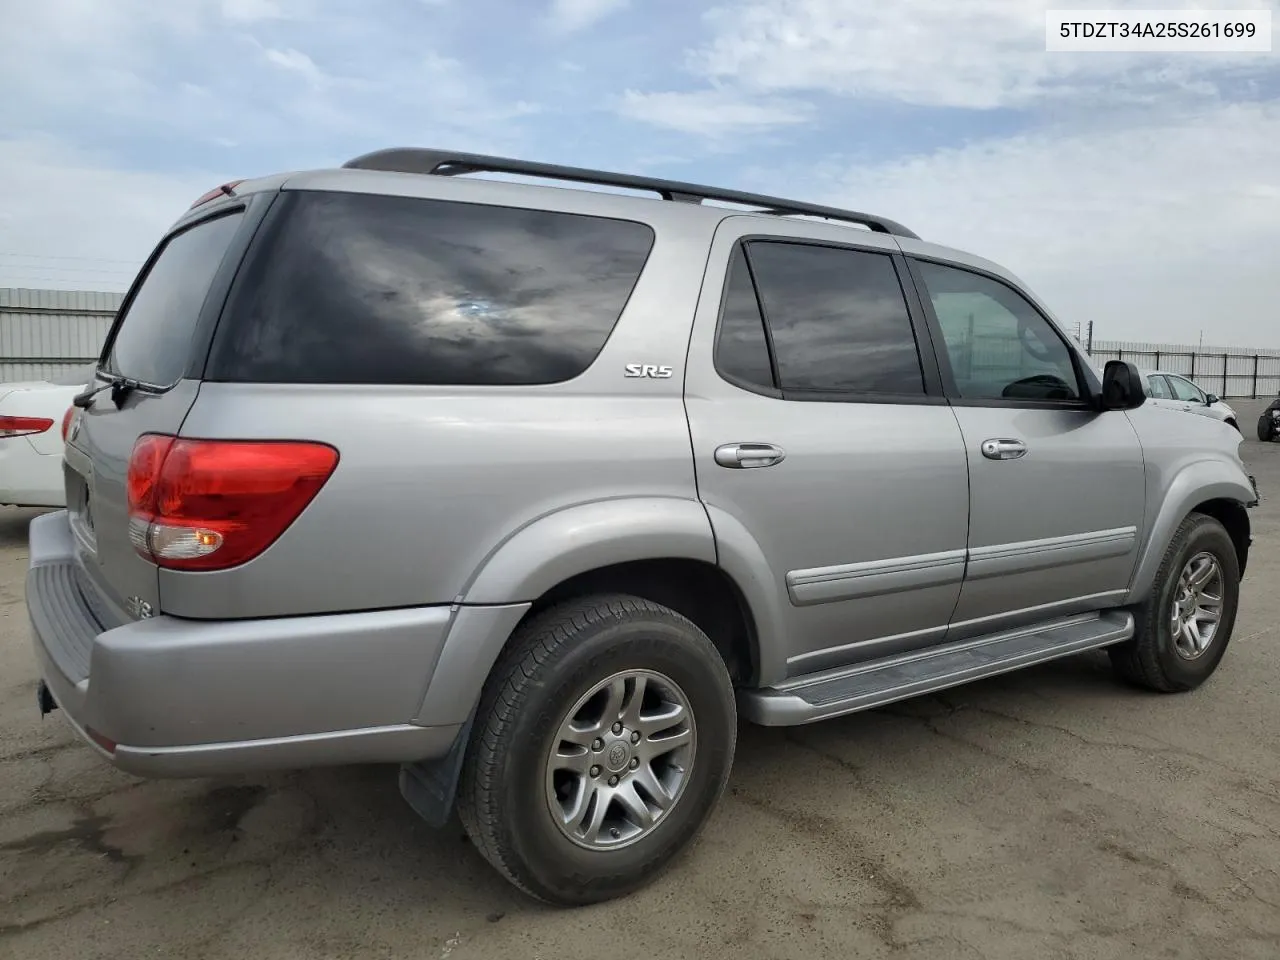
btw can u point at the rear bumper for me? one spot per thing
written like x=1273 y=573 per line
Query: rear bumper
x=166 y=697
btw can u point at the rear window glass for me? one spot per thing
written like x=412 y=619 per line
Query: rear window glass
x=355 y=288
x=153 y=341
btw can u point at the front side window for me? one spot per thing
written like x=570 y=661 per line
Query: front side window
x=999 y=345
x=1186 y=391
x=838 y=320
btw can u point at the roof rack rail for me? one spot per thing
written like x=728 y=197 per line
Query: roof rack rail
x=447 y=163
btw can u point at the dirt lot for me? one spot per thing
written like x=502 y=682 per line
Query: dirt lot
x=1048 y=814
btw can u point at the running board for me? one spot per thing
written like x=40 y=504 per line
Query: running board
x=879 y=682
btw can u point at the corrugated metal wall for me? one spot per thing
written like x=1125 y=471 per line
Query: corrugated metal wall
x=1232 y=372
x=44 y=333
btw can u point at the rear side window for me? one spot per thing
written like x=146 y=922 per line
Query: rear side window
x=356 y=288
x=742 y=352
x=838 y=319
x=1160 y=388
x=152 y=342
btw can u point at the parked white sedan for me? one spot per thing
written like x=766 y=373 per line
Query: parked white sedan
x=32 y=424
x=1178 y=393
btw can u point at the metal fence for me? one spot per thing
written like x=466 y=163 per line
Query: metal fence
x=1235 y=372
x=44 y=333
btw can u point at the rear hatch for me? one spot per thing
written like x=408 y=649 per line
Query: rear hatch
x=153 y=353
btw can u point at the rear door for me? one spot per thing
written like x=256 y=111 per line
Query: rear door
x=822 y=439
x=154 y=343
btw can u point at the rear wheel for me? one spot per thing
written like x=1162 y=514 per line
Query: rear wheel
x=1266 y=427
x=1181 y=632
x=603 y=741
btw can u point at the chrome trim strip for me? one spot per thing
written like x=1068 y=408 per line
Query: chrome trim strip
x=850 y=581
x=1003 y=559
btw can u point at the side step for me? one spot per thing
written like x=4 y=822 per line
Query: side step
x=879 y=682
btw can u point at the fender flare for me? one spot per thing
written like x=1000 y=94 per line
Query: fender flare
x=576 y=540
x=585 y=537
x=543 y=553
x=1193 y=485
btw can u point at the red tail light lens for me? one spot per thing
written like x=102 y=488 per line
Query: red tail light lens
x=214 y=504
x=66 y=422
x=23 y=426
x=227 y=190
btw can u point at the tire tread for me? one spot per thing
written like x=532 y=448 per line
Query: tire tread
x=517 y=670
x=1138 y=661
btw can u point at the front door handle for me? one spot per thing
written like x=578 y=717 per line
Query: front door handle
x=1003 y=449
x=742 y=456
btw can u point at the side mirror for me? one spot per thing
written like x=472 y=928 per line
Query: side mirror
x=1121 y=386
x=1211 y=398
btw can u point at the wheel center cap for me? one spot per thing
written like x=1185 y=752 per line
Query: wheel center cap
x=617 y=756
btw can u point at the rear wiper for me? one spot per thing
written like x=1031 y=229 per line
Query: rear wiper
x=120 y=388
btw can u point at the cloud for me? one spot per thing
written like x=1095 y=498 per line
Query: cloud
x=297 y=62
x=979 y=54
x=713 y=112
x=1158 y=230
x=71 y=220
x=252 y=11
x=568 y=16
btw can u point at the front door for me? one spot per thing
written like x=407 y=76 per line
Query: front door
x=823 y=447
x=1190 y=397
x=1057 y=490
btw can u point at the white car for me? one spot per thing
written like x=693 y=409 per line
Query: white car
x=1176 y=392
x=32 y=425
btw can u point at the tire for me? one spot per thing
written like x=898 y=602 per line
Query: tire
x=507 y=795
x=1266 y=427
x=1152 y=658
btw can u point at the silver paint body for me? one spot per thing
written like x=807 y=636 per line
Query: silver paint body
x=367 y=631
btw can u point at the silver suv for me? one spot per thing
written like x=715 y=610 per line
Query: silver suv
x=534 y=491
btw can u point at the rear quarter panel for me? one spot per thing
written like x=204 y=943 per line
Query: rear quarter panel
x=432 y=482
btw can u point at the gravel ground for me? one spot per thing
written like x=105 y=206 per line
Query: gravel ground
x=1050 y=813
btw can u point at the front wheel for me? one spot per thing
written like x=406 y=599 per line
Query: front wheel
x=603 y=741
x=1181 y=632
x=1266 y=427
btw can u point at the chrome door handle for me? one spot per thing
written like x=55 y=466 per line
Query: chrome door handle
x=742 y=456
x=1003 y=449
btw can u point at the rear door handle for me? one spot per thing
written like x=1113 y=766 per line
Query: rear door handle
x=1003 y=449
x=743 y=456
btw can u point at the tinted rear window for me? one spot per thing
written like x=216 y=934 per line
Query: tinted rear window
x=355 y=288
x=153 y=341
x=839 y=320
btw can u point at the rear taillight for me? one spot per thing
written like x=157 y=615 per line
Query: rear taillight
x=66 y=421
x=23 y=426
x=213 y=504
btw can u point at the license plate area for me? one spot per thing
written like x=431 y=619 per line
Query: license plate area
x=80 y=510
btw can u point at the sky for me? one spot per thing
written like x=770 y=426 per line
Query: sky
x=1139 y=192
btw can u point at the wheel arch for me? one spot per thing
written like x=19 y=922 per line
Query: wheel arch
x=1215 y=488
x=661 y=549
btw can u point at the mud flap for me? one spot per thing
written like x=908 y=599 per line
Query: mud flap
x=431 y=786
x=44 y=699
